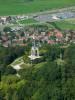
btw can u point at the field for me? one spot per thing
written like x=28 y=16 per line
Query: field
x=28 y=21
x=62 y=25
x=71 y=20
x=11 y=7
x=65 y=24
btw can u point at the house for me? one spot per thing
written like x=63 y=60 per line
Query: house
x=50 y=42
x=59 y=36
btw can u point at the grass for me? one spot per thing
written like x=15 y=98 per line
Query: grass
x=25 y=65
x=64 y=25
x=17 y=61
x=11 y=7
x=28 y=21
x=71 y=20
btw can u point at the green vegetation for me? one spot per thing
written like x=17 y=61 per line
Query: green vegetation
x=11 y=7
x=50 y=79
x=18 y=61
x=28 y=21
x=64 y=25
x=71 y=20
x=7 y=56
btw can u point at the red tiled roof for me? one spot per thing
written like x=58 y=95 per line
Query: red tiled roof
x=50 y=42
x=59 y=35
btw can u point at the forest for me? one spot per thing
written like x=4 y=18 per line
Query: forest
x=49 y=78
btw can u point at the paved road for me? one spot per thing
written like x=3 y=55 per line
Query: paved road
x=48 y=16
x=72 y=8
x=43 y=18
x=53 y=15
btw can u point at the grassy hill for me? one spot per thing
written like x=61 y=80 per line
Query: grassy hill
x=8 y=7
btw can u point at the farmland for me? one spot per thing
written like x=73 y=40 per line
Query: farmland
x=12 y=7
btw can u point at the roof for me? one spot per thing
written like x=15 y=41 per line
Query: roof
x=59 y=35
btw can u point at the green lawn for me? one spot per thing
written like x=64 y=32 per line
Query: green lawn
x=63 y=25
x=10 y=7
x=28 y=21
x=17 y=61
x=71 y=20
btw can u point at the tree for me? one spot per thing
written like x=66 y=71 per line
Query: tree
x=7 y=29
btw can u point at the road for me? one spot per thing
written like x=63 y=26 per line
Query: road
x=55 y=16
x=52 y=15
x=47 y=16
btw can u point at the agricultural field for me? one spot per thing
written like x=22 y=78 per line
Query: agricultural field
x=12 y=7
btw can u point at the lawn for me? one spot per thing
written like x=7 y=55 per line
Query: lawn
x=63 y=25
x=11 y=7
x=71 y=20
x=17 y=61
x=28 y=21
